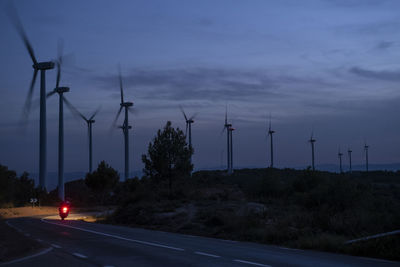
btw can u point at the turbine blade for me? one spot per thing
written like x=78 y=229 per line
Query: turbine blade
x=13 y=15
x=116 y=117
x=60 y=50
x=50 y=93
x=226 y=114
x=193 y=116
x=73 y=109
x=183 y=112
x=58 y=73
x=120 y=84
x=94 y=114
x=270 y=122
x=28 y=100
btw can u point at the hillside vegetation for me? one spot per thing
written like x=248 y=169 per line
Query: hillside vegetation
x=300 y=209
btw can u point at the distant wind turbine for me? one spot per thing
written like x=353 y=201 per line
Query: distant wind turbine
x=340 y=154
x=312 y=141
x=189 y=122
x=89 y=121
x=270 y=133
x=42 y=67
x=349 y=153
x=125 y=126
x=366 y=156
x=227 y=126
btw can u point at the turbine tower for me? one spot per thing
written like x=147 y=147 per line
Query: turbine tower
x=125 y=126
x=42 y=67
x=60 y=91
x=227 y=126
x=349 y=153
x=312 y=141
x=89 y=123
x=270 y=133
x=231 y=129
x=340 y=154
x=188 y=127
x=366 y=156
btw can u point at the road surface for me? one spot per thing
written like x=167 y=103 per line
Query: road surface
x=77 y=243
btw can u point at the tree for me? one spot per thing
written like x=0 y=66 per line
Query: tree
x=102 y=181
x=168 y=157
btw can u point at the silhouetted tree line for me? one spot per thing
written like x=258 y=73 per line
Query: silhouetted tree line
x=14 y=190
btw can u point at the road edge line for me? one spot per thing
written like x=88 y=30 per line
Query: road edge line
x=45 y=251
x=115 y=236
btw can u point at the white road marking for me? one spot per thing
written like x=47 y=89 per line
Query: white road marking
x=28 y=257
x=108 y=266
x=39 y=240
x=27 y=234
x=252 y=263
x=79 y=255
x=55 y=246
x=116 y=236
x=294 y=249
x=206 y=254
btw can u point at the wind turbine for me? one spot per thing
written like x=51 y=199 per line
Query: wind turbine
x=60 y=91
x=349 y=153
x=188 y=126
x=366 y=156
x=125 y=127
x=42 y=67
x=312 y=141
x=89 y=121
x=227 y=126
x=340 y=154
x=270 y=133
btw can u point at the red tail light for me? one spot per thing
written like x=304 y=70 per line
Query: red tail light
x=64 y=209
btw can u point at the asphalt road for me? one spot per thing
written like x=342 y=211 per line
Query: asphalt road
x=76 y=243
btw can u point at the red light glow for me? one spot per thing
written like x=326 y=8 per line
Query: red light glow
x=64 y=209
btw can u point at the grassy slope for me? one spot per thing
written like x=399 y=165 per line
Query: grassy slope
x=302 y=209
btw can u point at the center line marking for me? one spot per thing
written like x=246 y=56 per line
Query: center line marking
x=79 y=255
x=253 y=263
x=55 y=246
x=206 y=254
x=115 y=236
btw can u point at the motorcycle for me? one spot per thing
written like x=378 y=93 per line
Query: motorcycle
x=63 y=210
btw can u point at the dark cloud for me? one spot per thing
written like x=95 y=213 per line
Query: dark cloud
x=380 y=75
x=356 y=3
x=212 y=84
x=383 y=45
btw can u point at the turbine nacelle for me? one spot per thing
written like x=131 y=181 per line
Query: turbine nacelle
x=91 y=121
x=126 y=104
x=61 y=90
x=43 y=65
x=190 y=121
x=123 y=127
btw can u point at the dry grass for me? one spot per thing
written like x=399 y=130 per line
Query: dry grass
x=8 y=213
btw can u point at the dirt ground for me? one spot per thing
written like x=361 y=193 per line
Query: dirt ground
x=7 y=213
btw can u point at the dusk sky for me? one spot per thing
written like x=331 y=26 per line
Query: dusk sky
x=331 y=66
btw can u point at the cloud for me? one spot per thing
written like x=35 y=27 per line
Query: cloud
x=383 y=45
x=356 y=3
x=213 y=84
x=380 y=75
